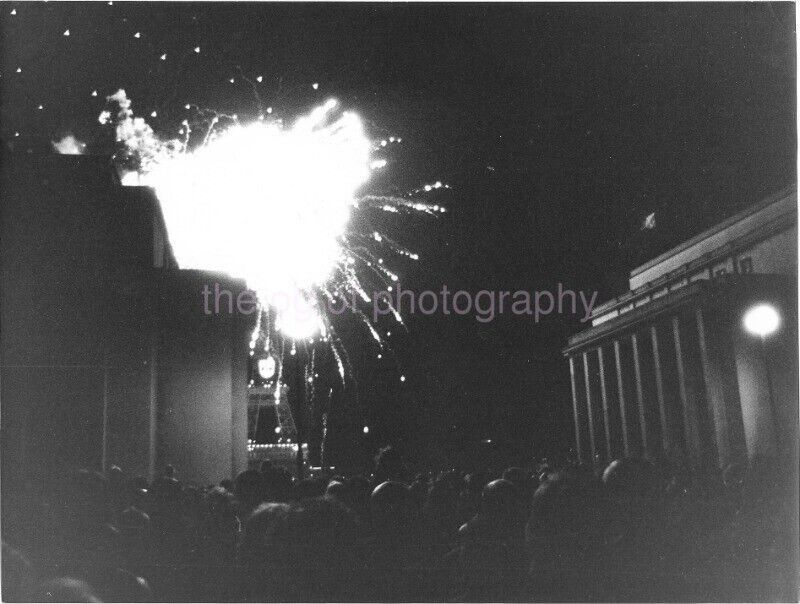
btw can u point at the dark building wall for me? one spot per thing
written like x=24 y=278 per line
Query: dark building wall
x=98 y=332
x=202 y=379
x=61 y=261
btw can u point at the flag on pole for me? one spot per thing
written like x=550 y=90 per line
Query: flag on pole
x=649 y=222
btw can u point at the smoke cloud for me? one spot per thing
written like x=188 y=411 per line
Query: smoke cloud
x=69 y=145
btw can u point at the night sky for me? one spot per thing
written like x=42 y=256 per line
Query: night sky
x=558 y=127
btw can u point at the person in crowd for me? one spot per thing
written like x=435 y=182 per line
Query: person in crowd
x=491 y=555
x=389 y=466
x=306 y=551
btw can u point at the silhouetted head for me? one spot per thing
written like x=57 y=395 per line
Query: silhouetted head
x=300 y=552
x=499 y=498
x=391 y=508
x=630 y=476
x=337 y=490
x=389 y=465
x=115 y=475
x=133 y=520
x=248 y=487
x=516 y=476
x=169 y=471
x=124 y=586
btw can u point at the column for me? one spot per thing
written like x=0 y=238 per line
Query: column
x=691 y=427
x=575 y=409
x=604 y=398
x=637 y=370
x=587 y=382
x=621 y=393
x=666 y=438
x=714 y=392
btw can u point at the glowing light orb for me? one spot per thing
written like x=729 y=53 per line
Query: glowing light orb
x=762 y=320
x=266 y=367
x=269 y=204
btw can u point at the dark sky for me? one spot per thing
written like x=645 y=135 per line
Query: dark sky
x=559 y=127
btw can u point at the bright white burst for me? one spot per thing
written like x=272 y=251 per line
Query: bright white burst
x=268 y=204
x=272 y=204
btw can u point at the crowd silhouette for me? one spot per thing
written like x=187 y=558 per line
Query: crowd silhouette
x=632 y=531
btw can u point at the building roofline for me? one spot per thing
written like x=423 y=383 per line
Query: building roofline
x=701 y=262
x=719 y=289
x=788 y=191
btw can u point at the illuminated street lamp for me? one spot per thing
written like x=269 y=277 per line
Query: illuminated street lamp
x=763 y=320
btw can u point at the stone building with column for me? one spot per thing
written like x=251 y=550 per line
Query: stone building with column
x=668 y=370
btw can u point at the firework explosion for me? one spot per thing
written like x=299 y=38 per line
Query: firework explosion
x=274 y=205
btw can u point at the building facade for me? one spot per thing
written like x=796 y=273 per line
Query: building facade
x=670 y=371
x=107 y=356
